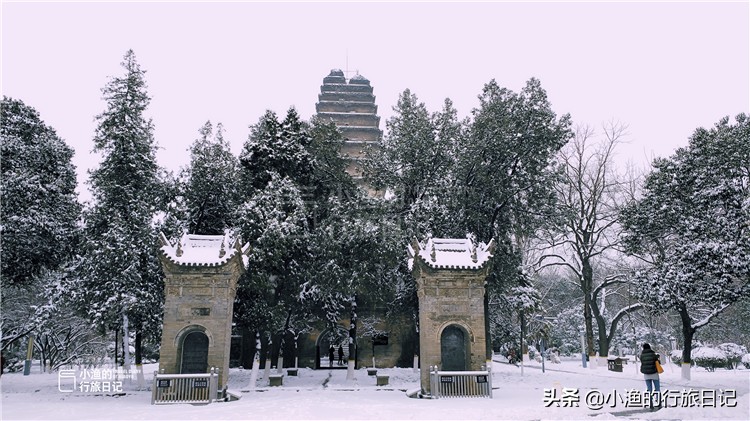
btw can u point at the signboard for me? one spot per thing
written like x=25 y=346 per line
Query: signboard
x=200 y=311
x=200 y=383
x=482 y=379
x=164 y=383
x=446 y=379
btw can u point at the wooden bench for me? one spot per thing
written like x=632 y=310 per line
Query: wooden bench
x=291 y=371
x=372 y=371
x=382 y=380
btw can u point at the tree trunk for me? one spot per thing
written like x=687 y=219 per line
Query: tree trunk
x=601 y=325
x=29 y=354
x=352 y=341
x=138 y=346
x=117 y=340
x=139 y=357
x=603 y=340
x=487 y=333
x=280 y=358
x=256 y=362
x=587 y=274
x=125 y=344
x=267 y=369
x=524 y=348
x=687 y=346
x=280 y=361
x=415 y=367
x=296 y=350
x=587 y=319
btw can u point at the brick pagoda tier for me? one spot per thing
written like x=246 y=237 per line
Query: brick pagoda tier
x=351 y=106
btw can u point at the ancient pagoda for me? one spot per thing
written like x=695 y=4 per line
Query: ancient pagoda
x=350 y=104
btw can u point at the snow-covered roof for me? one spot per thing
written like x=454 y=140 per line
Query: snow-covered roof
x=202 y=250
x=358 y=79
x=451 y=253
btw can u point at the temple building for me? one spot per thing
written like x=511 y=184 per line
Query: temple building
x=350 y=104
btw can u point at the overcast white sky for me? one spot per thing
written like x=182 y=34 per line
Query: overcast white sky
x=664 y=69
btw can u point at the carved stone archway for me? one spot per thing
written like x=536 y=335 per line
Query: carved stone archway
x=337 y=336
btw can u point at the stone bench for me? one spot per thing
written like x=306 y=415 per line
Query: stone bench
x=291 y=371
x=372 y=371
x=276 y=380
x=382 y=380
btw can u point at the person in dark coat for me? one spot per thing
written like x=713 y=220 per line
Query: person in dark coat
x=648 y=368
x=341 y=355
x=330 y=356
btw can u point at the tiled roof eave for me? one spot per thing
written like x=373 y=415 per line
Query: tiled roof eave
x=177 y=262
x=432 y=265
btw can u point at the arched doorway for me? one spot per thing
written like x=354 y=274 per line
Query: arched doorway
x=337 y=337
x=453 y=349
x=194 y=353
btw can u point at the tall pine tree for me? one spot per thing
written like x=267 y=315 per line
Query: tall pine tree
x=120 y=276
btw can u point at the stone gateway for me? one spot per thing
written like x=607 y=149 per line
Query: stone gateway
x=201 y=273
x=450 y=275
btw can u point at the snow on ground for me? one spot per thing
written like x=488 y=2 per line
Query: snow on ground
x=326 y=394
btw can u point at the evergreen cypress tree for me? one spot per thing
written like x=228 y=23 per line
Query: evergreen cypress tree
x=210 y=185
x=119 y=271
x=39 y=207
x=39 y=218
x=276 y=147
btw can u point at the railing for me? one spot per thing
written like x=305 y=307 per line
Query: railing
x=460 y=384
x=185 y=388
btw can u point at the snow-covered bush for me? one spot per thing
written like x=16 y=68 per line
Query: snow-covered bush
x=733 y=353
x=746 y=360
x=709 y=358
x=676 y=356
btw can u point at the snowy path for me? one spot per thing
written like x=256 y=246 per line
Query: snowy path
x=325 y=394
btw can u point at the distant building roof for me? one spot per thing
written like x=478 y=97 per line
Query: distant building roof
x=451 y=253
x=203 y=250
